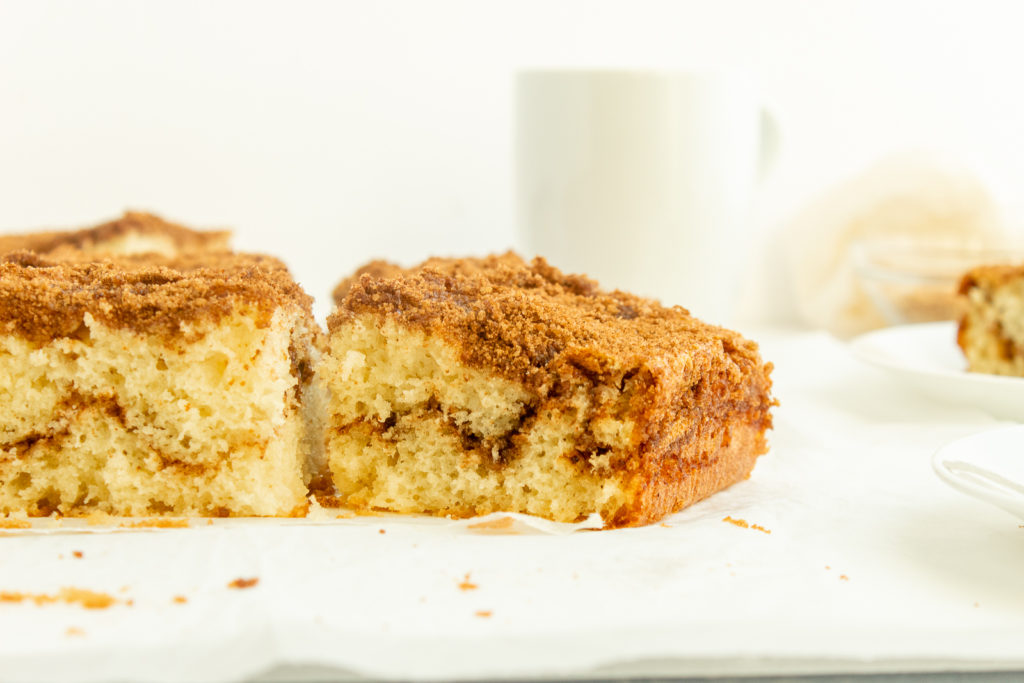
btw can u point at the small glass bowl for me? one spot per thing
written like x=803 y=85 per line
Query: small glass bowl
x=914 y=282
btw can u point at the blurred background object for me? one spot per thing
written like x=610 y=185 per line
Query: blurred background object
x=643 y=179
x=334 y=132
x=888 y=246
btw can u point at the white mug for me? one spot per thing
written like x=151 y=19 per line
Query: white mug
x=642 y=179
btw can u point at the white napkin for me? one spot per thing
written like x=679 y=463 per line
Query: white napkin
x=916 y=197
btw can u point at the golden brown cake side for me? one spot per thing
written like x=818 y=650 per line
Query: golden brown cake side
x=501 y=385
x=138 y=389
x=133 y=233
x=991 y=331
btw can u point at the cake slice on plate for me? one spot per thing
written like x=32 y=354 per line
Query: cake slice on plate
x=469 y=386
x=150 y=385
x=991 y=331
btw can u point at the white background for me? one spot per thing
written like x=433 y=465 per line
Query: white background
x=330 y=133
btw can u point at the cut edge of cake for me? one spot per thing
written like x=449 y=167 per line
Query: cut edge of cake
x=144 y=386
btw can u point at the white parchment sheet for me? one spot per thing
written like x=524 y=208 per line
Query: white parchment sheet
x=864 y=561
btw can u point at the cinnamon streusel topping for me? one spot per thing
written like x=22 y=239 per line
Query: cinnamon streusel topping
x=131 y=222
x=530 y=323
x=44 y=298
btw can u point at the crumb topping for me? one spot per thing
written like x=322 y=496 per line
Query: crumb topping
x=46 y=298
x=989 y=276
x=533 y=324
x=131 y=223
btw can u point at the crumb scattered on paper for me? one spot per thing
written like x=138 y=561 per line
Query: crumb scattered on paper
x=179 y=599
x=381 y=531
x=844 y=577
x=745 y=524
x=9 y=523
x=667 y=526
x=501 y=524
x=156 y=523
x=80 y=596
x=484 y=613
x=74 y=631
x=99 y=518
x=466 y=584
x=77 y=554
x=244 y=583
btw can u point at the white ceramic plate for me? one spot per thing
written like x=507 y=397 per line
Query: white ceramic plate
x=989 y=466
x=926 y=358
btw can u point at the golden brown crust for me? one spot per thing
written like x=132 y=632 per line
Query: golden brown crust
x=42 y=299
x=131 y=223
x=698 y=395
x=676 y=479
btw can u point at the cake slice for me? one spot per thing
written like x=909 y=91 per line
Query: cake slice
x=133 y=233
x=469 y=386
x=150 y=386
x=991 y=331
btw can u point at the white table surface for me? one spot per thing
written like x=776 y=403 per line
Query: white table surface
x=872 y=565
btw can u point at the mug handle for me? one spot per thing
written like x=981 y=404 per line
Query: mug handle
x=771 y=141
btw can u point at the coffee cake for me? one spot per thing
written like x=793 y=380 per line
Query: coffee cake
x=133 y=233
x=991 y=331
x=147 y=385
x=468 y=386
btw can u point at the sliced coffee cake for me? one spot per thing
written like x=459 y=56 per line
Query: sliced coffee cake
x=991 y=331
x=469 y=386
x=147 y=386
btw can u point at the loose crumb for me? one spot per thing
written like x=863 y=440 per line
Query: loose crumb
x=381 y=531
x=179 y=599
x=828 y=567
x=466 y=584
x=157 y=523
x=8 y=523
x=844 y=577
x=484 y=613
x=86 y=598
x=977 y=605
x=667 y=526
x=745 y=524
x=244 y=583
x=78 y=554
x=74 y=631
x=500 y=524
x=99 y=518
